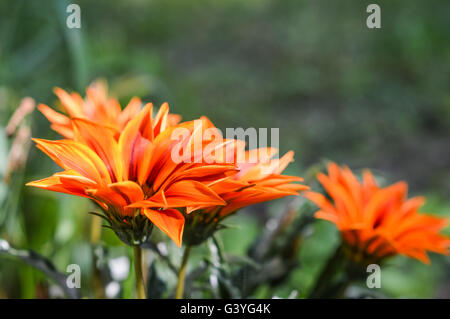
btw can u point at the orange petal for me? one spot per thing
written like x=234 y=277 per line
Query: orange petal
x=208 y=174
x=190 y=193
x=321 y=201
x=341 y=197
x=130 y=111
x=380 y=198
x=170 y=221
x=74 y=155
x=250 y=196
x=160 y=121
x=129 y=190
x=53 y=116
x=136 y=150
x=101 y=140
x=173 y=119
x=65 y=182
x=65 y=131
x=72 y=107
x=284 y=162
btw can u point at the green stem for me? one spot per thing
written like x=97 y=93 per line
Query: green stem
x=137 y=251
x=182 y=274
x=96 y=228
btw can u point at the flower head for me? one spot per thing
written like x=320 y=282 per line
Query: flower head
x=133 y=174
x=99 y=108
x=259 y=179
x=377 y=222
x=263 y=179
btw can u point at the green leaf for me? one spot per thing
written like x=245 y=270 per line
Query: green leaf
x=40 y=263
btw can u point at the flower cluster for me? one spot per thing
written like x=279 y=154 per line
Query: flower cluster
x=147 y=171
x=123 y=160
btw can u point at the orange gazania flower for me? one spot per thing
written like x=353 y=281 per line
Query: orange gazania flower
x=97 y=107
x=259 y=178
x=376 y=222
x=263 y=181
x=134 y=174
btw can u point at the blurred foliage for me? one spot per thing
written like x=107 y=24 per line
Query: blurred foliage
x=366 y=98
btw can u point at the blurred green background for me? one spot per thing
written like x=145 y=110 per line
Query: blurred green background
x=336 y=89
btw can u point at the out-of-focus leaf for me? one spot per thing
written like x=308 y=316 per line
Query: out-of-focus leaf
x=41 y=263
x=162 y=254
x=195 y=280
x=220 y=275
x=156 y=286
x=242 y=261
x=3 y=152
